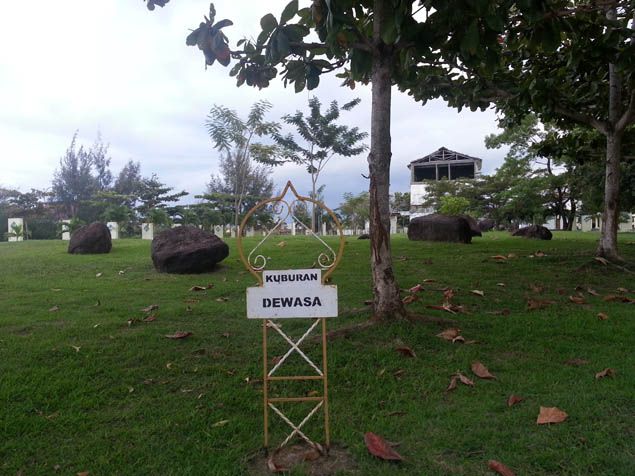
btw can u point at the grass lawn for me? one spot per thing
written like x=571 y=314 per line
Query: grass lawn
x=84 y=389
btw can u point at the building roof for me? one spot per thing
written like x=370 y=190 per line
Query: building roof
x=445 y=155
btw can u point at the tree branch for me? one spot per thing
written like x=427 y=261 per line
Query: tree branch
x=600 y=126
x=628 y=115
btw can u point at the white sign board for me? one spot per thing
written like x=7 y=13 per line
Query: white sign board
x=291 y=293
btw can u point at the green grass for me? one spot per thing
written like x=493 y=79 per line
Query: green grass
x=131 y=401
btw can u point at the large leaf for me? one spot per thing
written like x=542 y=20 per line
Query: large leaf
x=268 y=23
x=289 y=11
x=377 y=446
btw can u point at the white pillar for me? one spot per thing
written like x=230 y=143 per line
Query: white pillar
x=323 y=229
x=14 y=224
x=251 y=232
x=113 y=226
x=66 y=235
x=147 y=231
x=367 y=226
x=393 y=224
x=293 y=228
x=233 y=232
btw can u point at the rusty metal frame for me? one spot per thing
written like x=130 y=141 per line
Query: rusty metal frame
x=329 y=263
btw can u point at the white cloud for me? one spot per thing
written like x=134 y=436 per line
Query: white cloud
x=114 y=67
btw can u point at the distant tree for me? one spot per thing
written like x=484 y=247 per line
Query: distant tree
x=355 y=209
x=81 y=174
x=454 y=205
x=528 y=141
x=129 y=182
x=155 y=195
x=239 y=185
x=323 y=139
x=236 y=139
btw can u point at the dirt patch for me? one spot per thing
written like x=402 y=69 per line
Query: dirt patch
x=338 y=460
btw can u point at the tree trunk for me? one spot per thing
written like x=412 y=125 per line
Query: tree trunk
x=607 y=247
x=387 y=302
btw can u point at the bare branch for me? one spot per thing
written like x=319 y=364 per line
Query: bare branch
x=600 y=126
x=628 y=116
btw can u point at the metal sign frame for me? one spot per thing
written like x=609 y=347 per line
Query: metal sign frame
x=256 y=263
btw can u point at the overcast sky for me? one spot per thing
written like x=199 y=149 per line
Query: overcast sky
x=114 y=67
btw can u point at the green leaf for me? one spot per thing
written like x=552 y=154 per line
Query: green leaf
x=282 y=44
x=389 y=33
x=289 y=11
x=192 y=38
x=312 y=82
x=222 y=24
x=299 y=84
x=471 y=38
x=268 y=23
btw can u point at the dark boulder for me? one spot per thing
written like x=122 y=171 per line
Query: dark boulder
x=90 y=239
x=438 y=227
x=364 y=236
x=537 y=232
x=476 y=231
x=486 y=224
x=187 y=250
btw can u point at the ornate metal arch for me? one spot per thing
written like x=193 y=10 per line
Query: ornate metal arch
x=283 y=208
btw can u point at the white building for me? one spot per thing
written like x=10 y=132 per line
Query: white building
x=441 y=164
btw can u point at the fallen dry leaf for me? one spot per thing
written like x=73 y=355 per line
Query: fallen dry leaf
x=220 y=423
x=502 y=312
x=481 y=371
x=502 y=285
x=599 y=259
x=98 y=275
x=378 y=447
x=536 y=288
x=54 y=309
x=613 y=297
x=406 y=351
x=150 y=318
x=399 y=373
x=511 y=255
x=450 y=334
x=533 y=304
x=576 y=362
x=608 y=372
x=282 y=244
x=577 y=299
x=513 y=400
x=76 y=348
x=464 y=380
x=592 y=292
x=274 y=467
x=416 y=289
x=602 y=316
x=179 y=335
x=622 y=290
x=410 y=299
x=539 y=254
x=448 y=294
x=198 y=288
x=427 y=281
x=222 y=299
x=478 y=292
x=459 y=339
x=499 y=258
x=452 y=385
x=150 y=308
x=500 y=468
x=550 y=415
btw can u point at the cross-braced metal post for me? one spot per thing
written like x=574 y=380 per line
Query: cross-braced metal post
x=320 y=374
